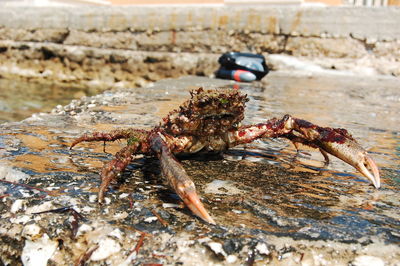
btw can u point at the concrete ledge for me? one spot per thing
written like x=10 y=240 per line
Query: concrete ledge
x=361 y=23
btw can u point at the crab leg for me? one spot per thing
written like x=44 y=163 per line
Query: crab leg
x=122 y=158
x=108 y=136
x=116 y=166
x=335 y=141
x=177 y=177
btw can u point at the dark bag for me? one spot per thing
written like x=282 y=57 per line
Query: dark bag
x=255 y=63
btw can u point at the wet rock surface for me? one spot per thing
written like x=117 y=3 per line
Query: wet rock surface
x=270 y=205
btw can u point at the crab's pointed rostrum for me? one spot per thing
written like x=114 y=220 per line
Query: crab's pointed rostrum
x=210 y=121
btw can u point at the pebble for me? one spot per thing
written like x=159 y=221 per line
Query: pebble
x=17 y=205
x=117 y=234
x=231 y=259
x=32 y=231
x=262 y=248
x=170 y=205
x=120 y=215
x=37 y=253
x=93 y=198
x=21 y=219
x=150 y=219
x=217 y=248
x=123 y=195
x=25 y=193
x=107 y=201
x=83 y=228
x=107 y=247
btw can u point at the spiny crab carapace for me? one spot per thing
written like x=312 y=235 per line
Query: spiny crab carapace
x=210 y=121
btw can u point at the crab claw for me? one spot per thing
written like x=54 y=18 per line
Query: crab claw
x=363 y=166
x=192 y=201
x=338 y=142
x=352 y=153
x=177 y=177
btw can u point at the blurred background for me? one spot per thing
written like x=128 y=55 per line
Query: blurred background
x=52 y=52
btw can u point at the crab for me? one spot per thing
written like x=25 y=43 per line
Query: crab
x=210 y=121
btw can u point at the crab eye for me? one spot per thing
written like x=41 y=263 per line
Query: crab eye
x=236 y=125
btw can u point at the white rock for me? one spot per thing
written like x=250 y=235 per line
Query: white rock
x=365 y=260
x=106 y=201
x=45 y=206
x=17 y=205
x=10 y=174
x=93 y=198
x=87 y=209
x=107 y=247
x=38 y=252
x=83 y=229
x=21 y=219
x=123 y=195
x=25 y=193
x=231 y=259
x=120 y=215
x=217 y=248
x=150 y=219
x=116 y=233
x=262 y=248
x=31 y=231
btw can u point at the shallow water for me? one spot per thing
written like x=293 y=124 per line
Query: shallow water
x=261 y=186
x=19 y=100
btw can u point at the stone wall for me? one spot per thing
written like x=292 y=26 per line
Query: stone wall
x=127 y=46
